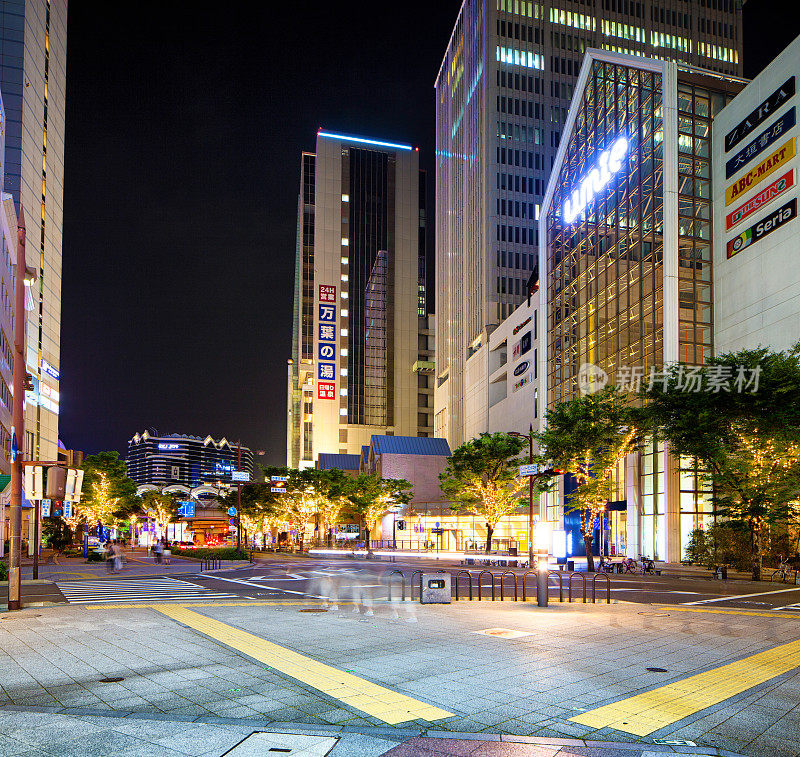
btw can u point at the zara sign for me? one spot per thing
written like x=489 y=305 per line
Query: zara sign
x=609 y=162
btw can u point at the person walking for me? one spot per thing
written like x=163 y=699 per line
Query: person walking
x=118 y=555
x=109 y=555
x=159 y=550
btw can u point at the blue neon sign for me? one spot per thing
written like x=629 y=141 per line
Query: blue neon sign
x=597 y=178
x=361 y=140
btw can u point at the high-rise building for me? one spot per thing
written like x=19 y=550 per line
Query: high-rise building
x=502 y=95
x=190 y=461
x=33 y=42
x=361 y=342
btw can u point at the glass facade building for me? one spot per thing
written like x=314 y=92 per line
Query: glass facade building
x=33 y=59
x=502 y=95
x=626 y=260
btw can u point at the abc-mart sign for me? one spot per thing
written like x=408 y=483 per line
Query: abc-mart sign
x=763 y=198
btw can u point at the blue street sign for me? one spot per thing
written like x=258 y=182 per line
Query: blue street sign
x=231 y=511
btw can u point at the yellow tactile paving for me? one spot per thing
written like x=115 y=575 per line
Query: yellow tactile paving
x=644 y=713
x=730 y=612
x=375 y=700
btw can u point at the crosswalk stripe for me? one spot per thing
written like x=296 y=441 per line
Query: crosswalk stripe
x=136 y=590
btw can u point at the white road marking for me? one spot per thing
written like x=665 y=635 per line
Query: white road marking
x=742 y=596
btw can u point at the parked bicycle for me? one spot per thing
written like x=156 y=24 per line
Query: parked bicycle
x=784 y=569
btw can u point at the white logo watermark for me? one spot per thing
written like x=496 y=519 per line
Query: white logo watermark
x=591 y=378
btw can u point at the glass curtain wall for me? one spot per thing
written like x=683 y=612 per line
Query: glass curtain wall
x=605 y=267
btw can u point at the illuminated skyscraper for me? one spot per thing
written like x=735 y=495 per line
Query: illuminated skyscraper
x=502 y=95
x=33 y=40
x=361 y=346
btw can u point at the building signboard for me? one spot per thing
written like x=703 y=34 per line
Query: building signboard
x=326 y=390
x=608 y=163
x=758 y=231
x=760 y=143
x=327 y=293
x=168 y=446
x=240 y=476
x=521 y=368
x=49 y=369
x=764 y=197
x=521 y=326
x=524 y=381
x=765 y=168
x=781 y=95
x=326 y=347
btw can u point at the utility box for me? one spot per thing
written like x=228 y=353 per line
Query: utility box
x=435 y=589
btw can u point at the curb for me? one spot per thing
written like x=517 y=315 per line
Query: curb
x=396 y=733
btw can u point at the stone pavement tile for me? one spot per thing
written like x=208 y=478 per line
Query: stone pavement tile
x=199 y=741
x=421 y=747
x=781 y=747
x=360 y=745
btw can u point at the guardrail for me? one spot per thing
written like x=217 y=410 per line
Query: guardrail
x=521 y=583
x=210 y=564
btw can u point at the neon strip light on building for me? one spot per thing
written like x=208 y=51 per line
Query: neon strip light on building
x=361 y=140
x=609 y=162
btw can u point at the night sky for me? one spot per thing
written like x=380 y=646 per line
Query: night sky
x=185 y=124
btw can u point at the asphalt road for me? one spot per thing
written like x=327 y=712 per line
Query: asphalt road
x=313 y=579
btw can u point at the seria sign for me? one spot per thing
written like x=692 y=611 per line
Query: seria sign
x=608 y=163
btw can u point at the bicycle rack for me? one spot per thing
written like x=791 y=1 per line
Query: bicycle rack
x=480 y=583
x=412 y=584
x=560 y=577
x=583 y=579
x=502 y=576
x=524 y=575
x=469 y=576
x=390 y=583
x=608 y=587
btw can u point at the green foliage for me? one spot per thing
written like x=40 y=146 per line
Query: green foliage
x=108 y=493
x=163 y=504
x=3 y=570
x=56 y=533
x=588 y=436
x=212 y=553
x=746 y=442
x=369 y=497
x=94 y=556
x=481 y=477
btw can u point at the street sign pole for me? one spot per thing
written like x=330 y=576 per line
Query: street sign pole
x=18 y=422
x=239 y=503
x=36 y=530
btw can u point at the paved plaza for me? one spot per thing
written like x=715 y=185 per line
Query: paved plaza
x=565 y=675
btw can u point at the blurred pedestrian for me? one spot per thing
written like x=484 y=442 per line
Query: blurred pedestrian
x=108 y=548
x=159 y=550
x=119 y=554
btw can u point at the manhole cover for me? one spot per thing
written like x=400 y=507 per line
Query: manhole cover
x=111 y=680
x=314 y=609
x=656 y=670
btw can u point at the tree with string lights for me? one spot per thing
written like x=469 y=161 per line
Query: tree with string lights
x=742 y=426
x=481 y=478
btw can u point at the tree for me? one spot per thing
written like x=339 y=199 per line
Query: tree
x=261 y=508
x=588 y=436
x=739 y=417
x=310 y=493
x=371 y=496
x=481 y=478
x=108 y=494
x=161 y=506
